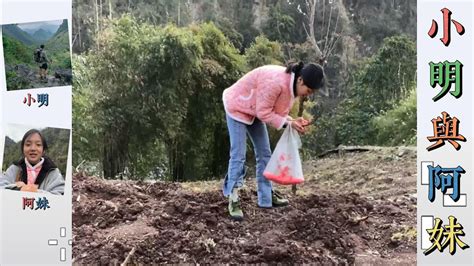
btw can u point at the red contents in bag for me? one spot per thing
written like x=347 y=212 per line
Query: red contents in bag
x=283 y=178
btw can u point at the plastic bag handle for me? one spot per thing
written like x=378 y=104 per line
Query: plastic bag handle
x=295 y=136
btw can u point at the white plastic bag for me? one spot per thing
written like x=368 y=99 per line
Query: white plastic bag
x=285 y=166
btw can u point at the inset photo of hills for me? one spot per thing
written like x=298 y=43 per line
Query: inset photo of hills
x=37 y=55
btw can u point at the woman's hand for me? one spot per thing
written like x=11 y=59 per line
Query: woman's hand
x=298 y=126
x=20 y=184
x=303 y=121
x=30 y=188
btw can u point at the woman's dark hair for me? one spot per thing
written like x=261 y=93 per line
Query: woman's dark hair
x=312 y=74
x=294 y=68
x=28 y=134
x=42 y=46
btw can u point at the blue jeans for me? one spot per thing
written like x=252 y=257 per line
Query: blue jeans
x=238 y=147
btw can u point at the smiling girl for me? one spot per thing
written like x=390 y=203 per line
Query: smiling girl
x=34 y=172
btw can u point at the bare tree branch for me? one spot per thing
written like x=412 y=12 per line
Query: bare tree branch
x=110 y=9
x=75 y=38
x=311 y=4
x=324 y=18
x=327 y=32
x=334 y=43
x=331 y=42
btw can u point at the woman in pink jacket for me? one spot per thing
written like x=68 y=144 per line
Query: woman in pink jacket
x=263 y=96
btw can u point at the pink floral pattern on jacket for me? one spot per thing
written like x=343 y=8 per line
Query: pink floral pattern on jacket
x=265 y=92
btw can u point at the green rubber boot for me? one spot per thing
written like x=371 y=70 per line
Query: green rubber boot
x=234 y=206
x=278 y=200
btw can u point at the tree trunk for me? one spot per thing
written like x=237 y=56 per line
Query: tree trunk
x=110 y=9
x=312 y=16
x=171 y=156
x=179 y=12
x=80 y=36
x=101 y=8
x=115 y=152
x=175 y=163
x=221 y=152
x=96 y=20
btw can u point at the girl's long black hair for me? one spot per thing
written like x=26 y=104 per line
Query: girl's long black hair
x=295 y=68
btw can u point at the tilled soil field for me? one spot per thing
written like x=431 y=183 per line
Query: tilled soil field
x=130 y=222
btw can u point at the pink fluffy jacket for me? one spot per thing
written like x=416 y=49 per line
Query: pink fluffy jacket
x=265 y=92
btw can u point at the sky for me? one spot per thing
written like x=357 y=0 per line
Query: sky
x=34 y=25
x=16 y=132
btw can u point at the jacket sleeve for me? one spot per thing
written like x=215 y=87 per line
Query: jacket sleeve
x=53 y=184
x=8 y=179
x=46 y=59
x=265 y=102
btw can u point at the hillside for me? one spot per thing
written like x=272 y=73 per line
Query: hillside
x=11 y=153
x=354 y=208
x=58 y=48
x=15 y=32
x=45 y=26
x=62 y=28
x=42 y=35
x=16 y=52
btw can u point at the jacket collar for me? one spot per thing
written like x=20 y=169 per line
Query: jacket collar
x=47 y=166
x=292 y=85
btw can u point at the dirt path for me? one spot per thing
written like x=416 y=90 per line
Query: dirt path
x=335 y=218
